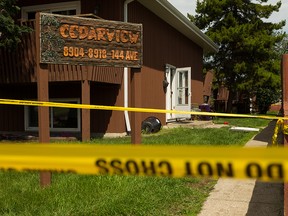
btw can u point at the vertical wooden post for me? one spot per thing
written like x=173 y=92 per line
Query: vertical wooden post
x=42 y=90
x=85 y=123
x=136 y=117
x=284 y=67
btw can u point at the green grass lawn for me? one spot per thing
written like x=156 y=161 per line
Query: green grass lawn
x=101 y=195
x=188 y=136
x=71 y=194
x=243 y=122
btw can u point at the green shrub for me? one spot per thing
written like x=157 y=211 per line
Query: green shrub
x=265 y=97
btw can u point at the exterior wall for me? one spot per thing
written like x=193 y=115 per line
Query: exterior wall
x=162 y=44
x=19 y=66
x=78 y=73
x=22 y=3
x=109 y=10
x=153 y=95
x=101 y=94
x=106 y=120
x=12 y=116
x=106 y=9
x=197 y=93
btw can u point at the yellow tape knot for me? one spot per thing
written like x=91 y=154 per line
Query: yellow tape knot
x=280 y=127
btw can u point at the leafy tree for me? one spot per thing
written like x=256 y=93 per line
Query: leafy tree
x=10 y=31
x=282 y=47
x=265 y=97
x=246 y=59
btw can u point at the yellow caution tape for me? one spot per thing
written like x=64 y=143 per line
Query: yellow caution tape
x=265 y=164
x=181 y=161
x=131 y=109
x=280 y=127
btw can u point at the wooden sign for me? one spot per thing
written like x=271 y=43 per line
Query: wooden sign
x=86 y=41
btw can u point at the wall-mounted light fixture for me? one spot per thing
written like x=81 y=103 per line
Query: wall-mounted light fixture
x=96 y=10
x=165 y=83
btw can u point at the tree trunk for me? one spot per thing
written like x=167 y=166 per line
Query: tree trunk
x=231 y=97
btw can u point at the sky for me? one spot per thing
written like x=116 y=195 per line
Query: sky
x=189 y=6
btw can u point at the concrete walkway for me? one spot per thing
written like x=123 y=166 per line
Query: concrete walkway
x=232 y=197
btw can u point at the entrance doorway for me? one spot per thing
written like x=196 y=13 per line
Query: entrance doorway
x=178 y=94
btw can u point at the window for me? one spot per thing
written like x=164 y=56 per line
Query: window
x=183 y=89
x=61 y=119
x=63 y=8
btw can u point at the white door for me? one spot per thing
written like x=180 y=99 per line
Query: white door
x=178 y=95
x=170 y=96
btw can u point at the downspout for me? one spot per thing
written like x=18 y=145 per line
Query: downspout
x=127 y=121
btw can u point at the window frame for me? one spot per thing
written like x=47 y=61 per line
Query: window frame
x=59 y=100
x=49 y=8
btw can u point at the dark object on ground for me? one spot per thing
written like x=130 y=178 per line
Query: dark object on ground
x=205 y=108
x=151 y=125
x=19 y=137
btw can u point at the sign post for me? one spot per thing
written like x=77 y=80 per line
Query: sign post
x=42 y=92
x=284 y=67
x=85 y=41
x=136 y=99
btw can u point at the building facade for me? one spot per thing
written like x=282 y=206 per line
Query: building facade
x=171 y=74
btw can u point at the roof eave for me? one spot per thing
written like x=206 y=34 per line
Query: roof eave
x=172 y=16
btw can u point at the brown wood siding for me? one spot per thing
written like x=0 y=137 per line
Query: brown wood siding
x=162 y=44
x=153 y=95
x=11 y=118
x=17 y=66
x=22 y=3
x=106 y=75
x=78 y=73
x=109 y=10
x=104 y=120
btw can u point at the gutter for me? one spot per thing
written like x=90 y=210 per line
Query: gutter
x=125 y=76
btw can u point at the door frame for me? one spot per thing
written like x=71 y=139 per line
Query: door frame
x=171 y=76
